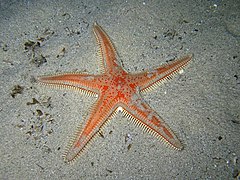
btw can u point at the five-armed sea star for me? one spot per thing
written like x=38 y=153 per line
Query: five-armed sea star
x=117 y=90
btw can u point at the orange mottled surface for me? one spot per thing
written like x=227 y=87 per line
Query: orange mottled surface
x=117 y=90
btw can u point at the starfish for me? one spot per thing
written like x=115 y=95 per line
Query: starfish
x=117 y=91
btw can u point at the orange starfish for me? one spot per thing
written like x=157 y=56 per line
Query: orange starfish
x=117 y=90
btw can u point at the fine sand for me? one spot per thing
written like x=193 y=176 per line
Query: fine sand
x=201 y=105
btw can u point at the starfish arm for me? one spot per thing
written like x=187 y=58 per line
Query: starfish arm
x=107 y=51
x=165 y=72
x=142 y=115
x=84 y=83
x=99 y=116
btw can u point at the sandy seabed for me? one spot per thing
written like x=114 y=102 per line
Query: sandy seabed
x=202 y=105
